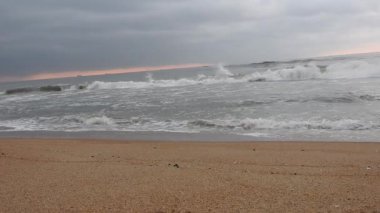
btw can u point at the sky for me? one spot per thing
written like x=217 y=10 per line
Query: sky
x=73 y=36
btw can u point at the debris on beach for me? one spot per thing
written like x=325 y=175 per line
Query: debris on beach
x=174 y=165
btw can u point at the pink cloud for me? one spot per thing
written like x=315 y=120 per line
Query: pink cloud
x=67 y=74
x=368 y=48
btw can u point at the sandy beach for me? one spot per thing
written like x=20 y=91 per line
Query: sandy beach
x=116 y=176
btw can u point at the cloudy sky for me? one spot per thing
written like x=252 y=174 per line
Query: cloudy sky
x=81 y=35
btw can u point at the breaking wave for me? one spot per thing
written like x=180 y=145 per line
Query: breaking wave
x=305 y=72
x=140 y=85
x=310 y=71
x=87 y=120
x=222 y=71
x=67 y=122
x=248 y=125
x=269 y=124
x=300 y=72
x=77 y=123
x=221 y=75
x=103 y=120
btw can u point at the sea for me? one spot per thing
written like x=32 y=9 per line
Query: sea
x=335 y=98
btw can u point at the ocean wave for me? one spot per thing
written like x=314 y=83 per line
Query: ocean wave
x=271 y=124
x=103 y=120
x=222 y=71
x=139 y=85
x=60 y=123
x=256 y=134
x=5 y=128
x=299 y=72
x=222 y=76
x=249 y=103
x=345 y=99
x=84 y=122
x=75 y=120
x=350 y=98
x=369 y=97
x=247 y=125
x=310 y=71
x=351 y=70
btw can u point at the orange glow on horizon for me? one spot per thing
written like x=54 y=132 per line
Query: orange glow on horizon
x=374 y=47
x=68 y=74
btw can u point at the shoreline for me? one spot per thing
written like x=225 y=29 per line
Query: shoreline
x=174 y=141
x=163 y=136
x=84 y=175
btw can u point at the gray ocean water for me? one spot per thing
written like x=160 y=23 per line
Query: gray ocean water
x=321 y=99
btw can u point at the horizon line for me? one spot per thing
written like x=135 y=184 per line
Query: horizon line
x=85 y=73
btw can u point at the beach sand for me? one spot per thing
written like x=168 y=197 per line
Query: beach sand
x=114 y=176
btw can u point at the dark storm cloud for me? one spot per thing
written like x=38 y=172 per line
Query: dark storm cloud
x=51 y=35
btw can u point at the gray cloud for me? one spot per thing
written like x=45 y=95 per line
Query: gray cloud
x=52 y=35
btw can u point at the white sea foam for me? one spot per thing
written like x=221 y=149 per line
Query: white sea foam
x=338 y=70
x=103 y=120
x=352 y=70
x=297 y=73
x=222 y=75
x=62 y=123
x=23 y=124
x=84 y=122
x=343 y=124
x=239 y=126
x=23 y=98
x=270 y=124
x=140 y=85
x=222 y=71
x=256 y=134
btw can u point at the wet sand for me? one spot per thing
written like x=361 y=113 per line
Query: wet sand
x=114 y=176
